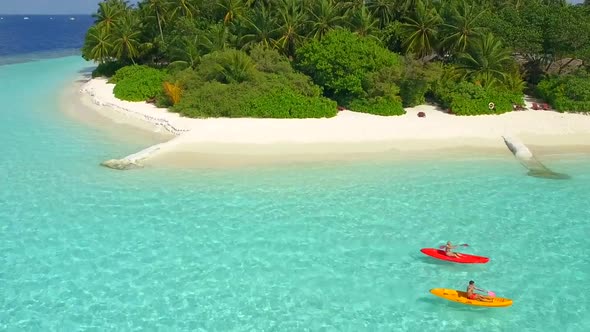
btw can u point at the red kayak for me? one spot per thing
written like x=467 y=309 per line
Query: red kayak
x=464 y=259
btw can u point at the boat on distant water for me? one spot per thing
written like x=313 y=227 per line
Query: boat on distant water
x=26 y=18
x=51 y=18
x=72 y=18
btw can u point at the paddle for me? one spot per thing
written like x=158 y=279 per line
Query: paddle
x=459 y=245
x=490 y=293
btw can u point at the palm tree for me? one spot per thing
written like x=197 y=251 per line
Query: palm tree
x=126 y=38
x=383 y=10
x=260 y=28
x=236 y=67
x=217 y=38
x=185 y=8
x=291 y=21
x=266 y=3
x=227 y=66
x=485 y=61
x=514 y=82
x=159 y=9
x=233 y=9
x=364 y=24
x=351 y=4
x=500 y=4
x=404 y=7
x=97 y=45
x=324 y=16
x=462 y=27
x=188 y=49
x=108 y=13
x=421 y=30
x=187 y=43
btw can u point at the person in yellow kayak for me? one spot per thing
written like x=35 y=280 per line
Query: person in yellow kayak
x=449 y=250
x=474 y=296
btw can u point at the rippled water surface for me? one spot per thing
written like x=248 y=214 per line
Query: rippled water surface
x=321 y=247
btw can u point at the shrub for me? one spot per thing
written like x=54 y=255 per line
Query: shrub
x=177 y=66
x=270 y=61
x=409 y=83
x=340 y=62
x=382 y=83
x=377 y=106
x=138 y=83
x=467 y=98
x=228 y=84
x=128 y=71
x=413 y=91
x=267 y=96
x=187 y=79
x=283 y=102
x=417 y=80
x=393 y=36
x=567 y=93
x=106 y=69
x=173 y=92
x=297 y=81
x=213 y=99
x=227 y=66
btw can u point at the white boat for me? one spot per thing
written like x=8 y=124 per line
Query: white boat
x=72 y=18
x=26 y=18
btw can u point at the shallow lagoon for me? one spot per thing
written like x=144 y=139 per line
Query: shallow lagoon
x=327 y=246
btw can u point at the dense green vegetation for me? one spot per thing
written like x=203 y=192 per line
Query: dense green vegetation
x=137 y=83
x=567 y=93
x=229 y=83
x=300 y=58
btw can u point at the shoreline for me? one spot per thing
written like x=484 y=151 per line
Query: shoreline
x=79 y=107
x=215 y=155
x=349 y=135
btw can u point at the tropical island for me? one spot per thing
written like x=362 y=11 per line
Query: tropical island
x=309 y=59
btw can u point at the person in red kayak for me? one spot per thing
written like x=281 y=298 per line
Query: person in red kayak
x=474 y=296
x=449 y=250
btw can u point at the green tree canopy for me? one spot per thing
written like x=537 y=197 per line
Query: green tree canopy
x=341 y=60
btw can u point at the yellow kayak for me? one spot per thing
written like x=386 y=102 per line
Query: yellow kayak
x=461 y=297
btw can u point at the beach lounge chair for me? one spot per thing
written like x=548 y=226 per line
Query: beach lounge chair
x=536 y=107
x=546 y=107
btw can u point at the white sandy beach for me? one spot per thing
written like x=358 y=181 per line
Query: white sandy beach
x=348 y=133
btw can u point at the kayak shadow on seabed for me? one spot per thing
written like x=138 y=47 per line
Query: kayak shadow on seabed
x=438 y=262
x=454 y=306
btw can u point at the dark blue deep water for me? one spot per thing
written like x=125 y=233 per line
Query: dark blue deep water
x=41 y=36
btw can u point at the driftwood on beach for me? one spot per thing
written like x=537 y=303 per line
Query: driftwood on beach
x=134 y=160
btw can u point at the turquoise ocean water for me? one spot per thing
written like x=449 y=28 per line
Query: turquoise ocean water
x=320 y=247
